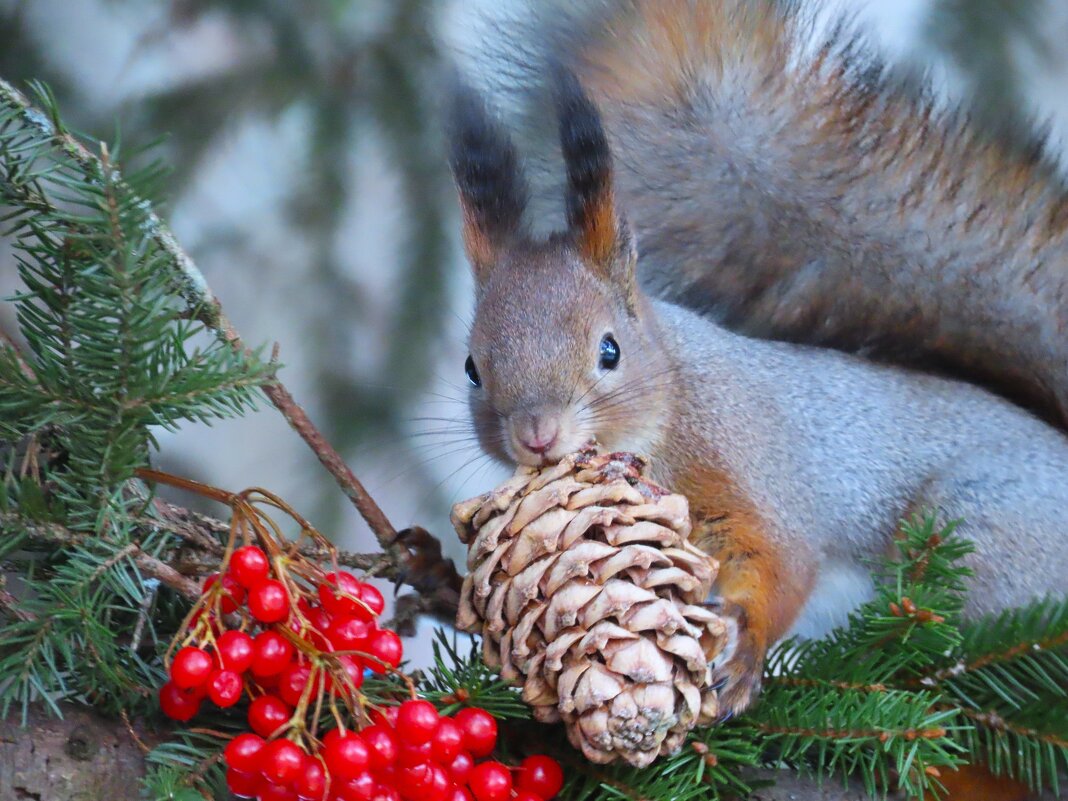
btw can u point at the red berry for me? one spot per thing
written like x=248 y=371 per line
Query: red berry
x=191 y=667
x=267 y=714
x=541 y=775
x=353 y=675
x=235 y=650
x=268 y=601
x=526 y=795
x=224 y=688
x=277 y=792
x=411 y=755
x=480 y=730
x=249 y=566
x=349 y=633
x=385 y=793
x=448 y=741
x=346 y=755
x=233 y=594
x=361 y=788
x=417 y=720
x=177 y=703
x=414 y=782
x=273 y=654
x=243 y=752
x=244 y=785
x=340 y=596
x=292 y=683
x=387 y=647
x=282 y=761
x=311 y=784
x=370 y=595
x=440 y=784
x=386 y=716
x=491 y=781
x=459 y=794
x=461 y=767
x=381 y=745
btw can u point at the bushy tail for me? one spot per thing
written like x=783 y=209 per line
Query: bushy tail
x=794 y=192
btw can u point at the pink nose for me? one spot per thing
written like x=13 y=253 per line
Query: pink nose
x=539 y=435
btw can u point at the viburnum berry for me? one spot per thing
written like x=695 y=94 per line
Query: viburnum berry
x=370 y=595
x=414 y=782
x=460 y=768
x=381 y=745
x=491 y=781
x=417 y=720
x=243 y=752
x=177 y=703
x=349 y=633
x=311 y=784
x=385 y=715
x=385 y=793
x=277 y=792
x=282 y=761
x=268 y=601
x=387 y=647
x=346 y=755
x=526 y=795
x=340 y=596
x=224 y=688
x=410 y=755
x=273 y=654
x=292 y=682
x=458 y=793
x=447 y=742
x=244 y=785
x=540 y=775
x=267 y=714
x=362 y=788
x=191 y=667
x=249 y=566
x=235 y=651
x=353 y=670
x=439 y=783
x=233 y=593
x=480 y=730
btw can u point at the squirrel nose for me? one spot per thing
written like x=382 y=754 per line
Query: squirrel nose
x=539 y=434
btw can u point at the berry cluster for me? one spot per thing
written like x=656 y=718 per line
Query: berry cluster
x=297 y=640
x=409 y=753
x=284 y=651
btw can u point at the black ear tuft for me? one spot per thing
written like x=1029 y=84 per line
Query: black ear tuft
x=591 y=214
x=485 y=166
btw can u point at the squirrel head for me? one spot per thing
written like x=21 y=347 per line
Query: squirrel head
x=563 y=348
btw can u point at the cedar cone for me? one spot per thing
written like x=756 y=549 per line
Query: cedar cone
x=587 y=593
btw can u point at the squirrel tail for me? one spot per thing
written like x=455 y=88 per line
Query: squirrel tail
x=778 y=180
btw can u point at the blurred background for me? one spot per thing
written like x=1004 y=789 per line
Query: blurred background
x=309 y=184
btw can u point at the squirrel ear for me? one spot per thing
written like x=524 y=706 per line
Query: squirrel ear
x=485 y=166
x=602 y=236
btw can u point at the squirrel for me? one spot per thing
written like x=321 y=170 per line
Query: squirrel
x=785 y=184
x=799 y=462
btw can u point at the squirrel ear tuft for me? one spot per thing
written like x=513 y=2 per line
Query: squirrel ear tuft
x=601 y=235
x=485 y=166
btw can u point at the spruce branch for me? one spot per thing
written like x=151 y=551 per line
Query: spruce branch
x=187 y=281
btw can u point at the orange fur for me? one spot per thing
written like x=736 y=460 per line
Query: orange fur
x=764 y=583
x=977 y=783
x=598 y=236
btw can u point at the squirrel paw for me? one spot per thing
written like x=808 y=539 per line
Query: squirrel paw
x=737 y=671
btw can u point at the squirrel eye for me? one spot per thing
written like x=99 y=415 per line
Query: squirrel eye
x=472 y=373
x=609 y=353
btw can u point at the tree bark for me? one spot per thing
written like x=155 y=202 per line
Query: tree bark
x=83 y=757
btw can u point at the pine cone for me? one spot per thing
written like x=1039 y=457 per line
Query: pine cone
x=586 y=591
